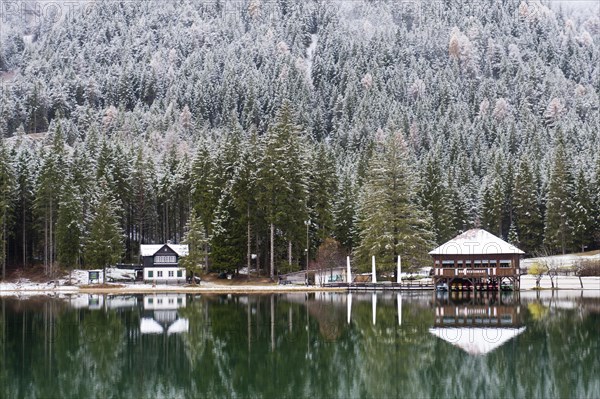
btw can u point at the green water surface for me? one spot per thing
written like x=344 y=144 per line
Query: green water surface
x=299 y=346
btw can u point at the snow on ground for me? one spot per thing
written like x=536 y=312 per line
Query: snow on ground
x=79 y=278
x=563 y=282
x=565 y=261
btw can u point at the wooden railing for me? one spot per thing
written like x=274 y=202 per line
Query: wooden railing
x=475 y=272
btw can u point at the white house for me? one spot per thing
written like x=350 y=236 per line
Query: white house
x=161 y=262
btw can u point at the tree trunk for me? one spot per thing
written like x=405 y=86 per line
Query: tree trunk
x=272 y=257
x=206 y=250
x=24 y=238
x=249 y=243
x=290 y=253
x=580 y=282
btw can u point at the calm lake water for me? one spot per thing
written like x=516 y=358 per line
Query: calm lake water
x=319 y=345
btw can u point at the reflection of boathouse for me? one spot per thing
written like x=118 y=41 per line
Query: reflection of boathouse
x=477 y=325
x=476 y=260
x=160 y=314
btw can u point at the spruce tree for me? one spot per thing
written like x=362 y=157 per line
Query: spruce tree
x=527 y=217
x=196 y=240
x=391 y=220
x=69 y=225
x=345 y=207
x=204 y=195
x=244 y=191
x=25 y=230
x=282 y=192
x=558 y=230
x=7 y=191
x=104 y=241
x=322 y=186
x=47 y=197
x=583 y=214
x=435 y=199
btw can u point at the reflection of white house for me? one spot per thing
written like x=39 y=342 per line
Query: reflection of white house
x=163 y=309
x=476 y=340
x=161 y=262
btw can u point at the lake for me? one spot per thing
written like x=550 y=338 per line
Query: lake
x=317 y=345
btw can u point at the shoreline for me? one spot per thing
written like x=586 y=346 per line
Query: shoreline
x=28 y=288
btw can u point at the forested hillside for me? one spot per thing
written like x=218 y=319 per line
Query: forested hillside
x=373 y=127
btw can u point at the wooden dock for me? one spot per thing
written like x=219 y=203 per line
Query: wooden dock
x=387 y=286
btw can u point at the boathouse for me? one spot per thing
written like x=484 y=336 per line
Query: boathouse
x=161 y=262
x=478 y=325
x=476 y=260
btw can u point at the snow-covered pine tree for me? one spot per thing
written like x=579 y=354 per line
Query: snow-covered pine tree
x=69 y=225
x=104 y=242
x=391 y=220
x=558 y=229
x=583 y=214
x=48 y=188
x=526 y=214
x=196 y=240
x=7 y=197
x=345 y=208
x=435 y=199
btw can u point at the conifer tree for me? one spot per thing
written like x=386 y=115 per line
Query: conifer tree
x=49 y=185
x=204 y=190
x=583 y=214
x=527 y=217
x=322 y=186
x=7 y=191
x=345 y=207
x=244 y=191
x=434 y=198
x=25 y=170
x=104 y=241
x=282 y=192
x=196 y=240
x=69 y=225
x=558 y=230
x=391 y=220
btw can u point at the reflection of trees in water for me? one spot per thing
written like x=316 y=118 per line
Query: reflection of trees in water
x=299 y=347
x=330 y=317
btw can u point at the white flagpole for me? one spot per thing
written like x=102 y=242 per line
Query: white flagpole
x=373 y=274
x=348 y=271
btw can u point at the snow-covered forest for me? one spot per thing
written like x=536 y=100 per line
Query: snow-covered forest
x=370 y=127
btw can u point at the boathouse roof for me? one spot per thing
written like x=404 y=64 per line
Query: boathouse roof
x=476 y=340
x=476 y=242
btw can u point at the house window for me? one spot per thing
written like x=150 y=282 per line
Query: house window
x=150 y=301
x=159 y=273
x=171 y=273
x=150 y=274
x=159 y=301
x=165 y=259
x=179 y=301
x=179 y=273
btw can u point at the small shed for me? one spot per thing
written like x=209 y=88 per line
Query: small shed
x=161 y=262
x=477 y=260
